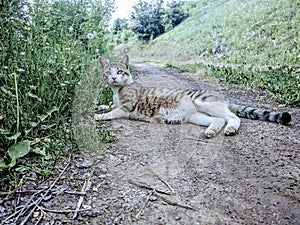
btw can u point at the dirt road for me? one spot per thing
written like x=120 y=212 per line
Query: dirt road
x=172 y=174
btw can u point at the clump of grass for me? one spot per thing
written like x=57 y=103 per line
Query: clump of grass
x=281 y=82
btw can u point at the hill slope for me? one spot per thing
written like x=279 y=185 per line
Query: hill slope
x=236 y=31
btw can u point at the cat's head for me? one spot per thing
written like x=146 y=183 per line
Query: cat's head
x=117 y=73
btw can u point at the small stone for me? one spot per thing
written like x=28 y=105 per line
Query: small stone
x=152 y=198
x=177 y=217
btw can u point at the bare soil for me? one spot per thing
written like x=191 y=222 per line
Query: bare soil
x=172 y=174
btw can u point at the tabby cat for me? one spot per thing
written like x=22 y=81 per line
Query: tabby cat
x=165 y=105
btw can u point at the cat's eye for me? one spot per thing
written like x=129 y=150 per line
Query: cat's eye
x=120 y=72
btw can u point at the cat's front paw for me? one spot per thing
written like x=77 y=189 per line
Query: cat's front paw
x=230 y=131
x=98 y=117
x=210 y=133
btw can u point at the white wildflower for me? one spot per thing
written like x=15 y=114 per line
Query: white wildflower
x=20 y=70
x=97 y=50
x=22 y=53
x=5 y=67
x=70 y=29
x=90 y=36
x=68 y=49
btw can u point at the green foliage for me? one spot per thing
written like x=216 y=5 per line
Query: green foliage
x=255 y=32
x=174 y=15
x=283 y=83
x=121 y=32
x=150 y=20
x=46 y=47
x=147 y=19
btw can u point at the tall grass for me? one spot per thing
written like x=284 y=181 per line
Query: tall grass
x=235 y=31
x=46 y=48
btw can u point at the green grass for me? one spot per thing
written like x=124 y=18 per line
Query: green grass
x=48 y=51
x=254 y=32
x=227 y=34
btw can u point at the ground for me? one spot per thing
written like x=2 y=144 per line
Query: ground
x=172 y=174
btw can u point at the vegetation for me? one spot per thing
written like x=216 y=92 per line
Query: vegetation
x=46 y=49
x=49 y=76
x=149 y=20
x=227 y=34
x=235 y=31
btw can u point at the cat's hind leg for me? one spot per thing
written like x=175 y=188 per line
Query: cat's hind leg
x=214 y=124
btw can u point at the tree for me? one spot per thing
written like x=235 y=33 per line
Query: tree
x=147 y=19
x=174 y=15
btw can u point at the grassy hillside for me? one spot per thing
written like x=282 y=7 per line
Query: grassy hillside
x=254 y=32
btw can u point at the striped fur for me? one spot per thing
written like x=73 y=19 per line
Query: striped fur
x=164 y=105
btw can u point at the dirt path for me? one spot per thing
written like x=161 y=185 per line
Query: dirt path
x=250 y=178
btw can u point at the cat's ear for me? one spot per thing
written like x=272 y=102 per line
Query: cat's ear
x=125 y=60
x=103 y=62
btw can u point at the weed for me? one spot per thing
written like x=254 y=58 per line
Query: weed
x=47 y=49
x=281 y=82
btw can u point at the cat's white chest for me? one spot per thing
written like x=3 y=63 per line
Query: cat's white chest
x=116 y=99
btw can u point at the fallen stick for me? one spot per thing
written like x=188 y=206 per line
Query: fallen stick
x=65 y=210
x=162 y=180
x=143 y=207
x=171 y=202
x=25 y=207
x=37 y=202
x=168 y=201
x=146 y=186
x=86 y=186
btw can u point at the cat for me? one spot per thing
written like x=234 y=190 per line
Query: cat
x=167 y=105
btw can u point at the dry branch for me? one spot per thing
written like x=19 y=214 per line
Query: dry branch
x=86 y=186
x=34 y=204
x=146 y=186
x=162 y=180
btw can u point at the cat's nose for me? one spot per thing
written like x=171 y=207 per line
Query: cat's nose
x=114 y=78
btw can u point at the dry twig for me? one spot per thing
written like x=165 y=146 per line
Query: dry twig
x=143 y=207
x=33 y=204
x=162 y=180
x=146 y=186
x=65 y=210
x=37 y=202
x=171 y=202
x=166 y=200
x=86 y=186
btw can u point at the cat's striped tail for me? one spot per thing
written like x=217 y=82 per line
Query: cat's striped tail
x=260 y=114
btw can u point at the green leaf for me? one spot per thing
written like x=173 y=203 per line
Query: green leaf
x=39 y=151
x=15 y=136
x=42 y=117
x=2 y=131
x=33 y=96
x=3 y=165
x=51 y=110
x=33 y=124
x=7 y=92
x=17 y=151
x=22 y=169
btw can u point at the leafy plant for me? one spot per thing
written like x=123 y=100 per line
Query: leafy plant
x=47 y=47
